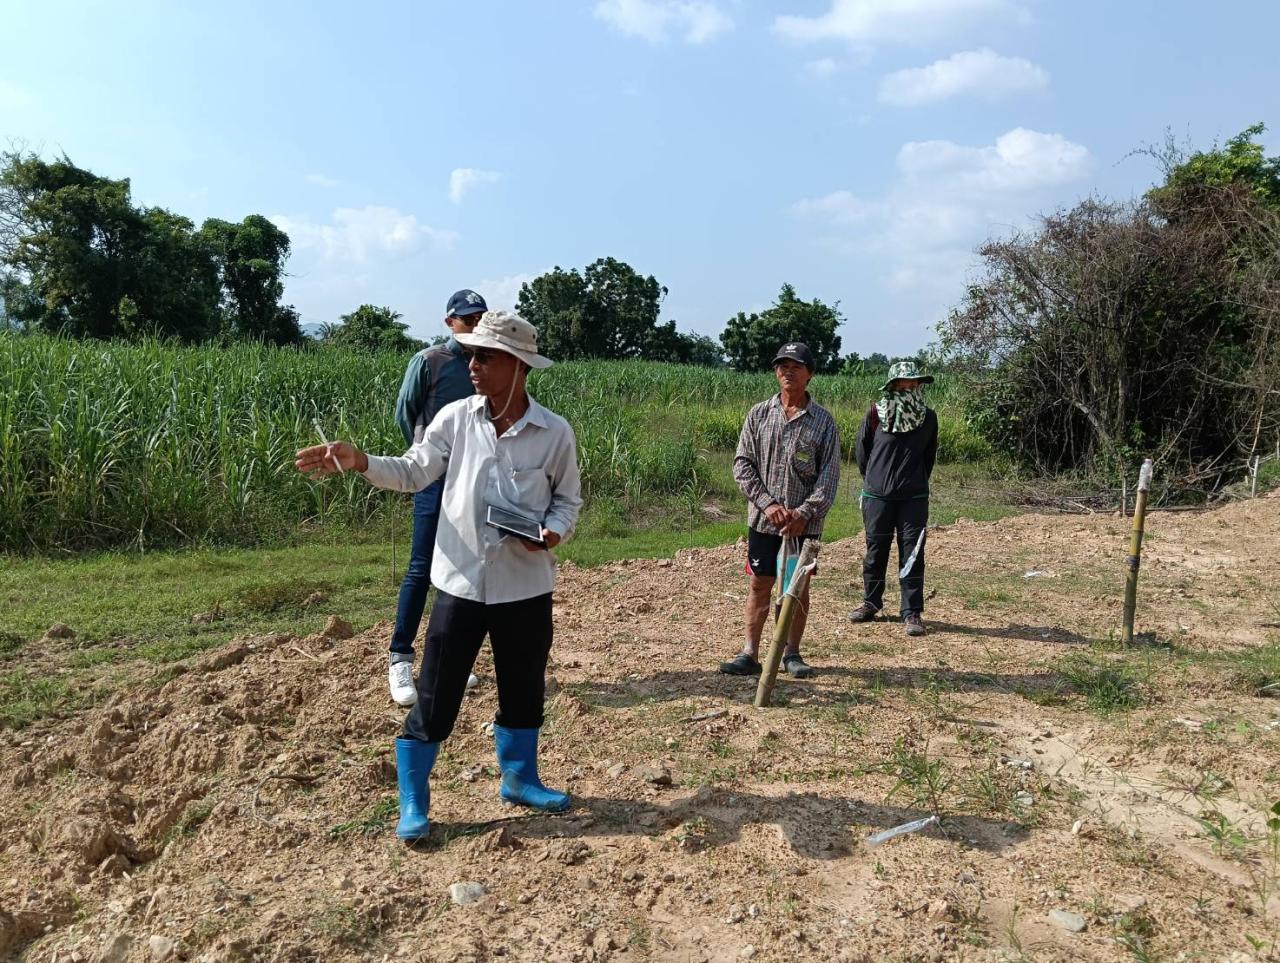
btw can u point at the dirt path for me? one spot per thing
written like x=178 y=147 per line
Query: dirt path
x=242 y=809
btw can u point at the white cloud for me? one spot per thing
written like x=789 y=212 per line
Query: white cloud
x=697 y=21
x=356 y=234
x=820 y=69
x=839 y=206
x=502 y=293
x=1019 y=160
x=464 y=178
x=12 y=97
x=976 y=73
x=945 y=199
x=871 y=22
x=319 y=180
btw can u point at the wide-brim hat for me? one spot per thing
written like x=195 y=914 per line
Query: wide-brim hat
x=507 y=332
x=903 y=370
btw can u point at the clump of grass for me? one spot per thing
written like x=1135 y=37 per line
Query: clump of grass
x=1134 y=931
x=346 y=924
x=27 y=696
x=1107 y=686
x=276 y=596
x=1256 y=671
x=374 y=821
x=923 y=781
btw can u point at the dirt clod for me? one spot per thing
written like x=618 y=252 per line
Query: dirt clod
x=337 y=628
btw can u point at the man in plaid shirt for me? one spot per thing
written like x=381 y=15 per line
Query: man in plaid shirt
x=788 y=466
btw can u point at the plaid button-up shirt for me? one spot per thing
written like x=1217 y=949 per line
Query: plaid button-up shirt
x=795 y=463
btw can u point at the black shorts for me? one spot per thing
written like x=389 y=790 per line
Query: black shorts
x=762 y=552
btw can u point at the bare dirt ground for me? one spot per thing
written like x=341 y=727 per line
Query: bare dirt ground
x=241 y=808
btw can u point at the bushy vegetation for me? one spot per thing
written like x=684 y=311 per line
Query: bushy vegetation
x=114 y=444
x=1118 y=331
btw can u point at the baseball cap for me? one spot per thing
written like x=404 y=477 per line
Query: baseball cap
x=795 y=351
x=466 y=302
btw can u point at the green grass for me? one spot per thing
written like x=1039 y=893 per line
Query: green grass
x=25 y=697
x=1108 y=686
x=375 y=820
x=151 y=445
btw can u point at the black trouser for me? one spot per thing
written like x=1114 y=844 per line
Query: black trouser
x=883 y=519
x=520 y=636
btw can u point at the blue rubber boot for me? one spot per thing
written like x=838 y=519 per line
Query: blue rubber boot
x=414 y=760
x=518 y=759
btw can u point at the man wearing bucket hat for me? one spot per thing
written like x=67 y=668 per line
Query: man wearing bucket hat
x=508 y=461
x=434 y=377
x=897 y=446
x=788 y=467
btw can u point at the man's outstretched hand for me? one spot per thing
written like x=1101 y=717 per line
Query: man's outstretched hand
x=320 y=460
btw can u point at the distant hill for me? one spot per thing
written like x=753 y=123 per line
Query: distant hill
x=312 y=330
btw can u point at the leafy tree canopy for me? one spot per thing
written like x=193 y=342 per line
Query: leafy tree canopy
x=751 y=340
x=371 y=329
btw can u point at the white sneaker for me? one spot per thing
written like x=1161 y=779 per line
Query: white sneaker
x=400 y=679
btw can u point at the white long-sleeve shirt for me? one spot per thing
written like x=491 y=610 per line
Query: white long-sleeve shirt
x=531 y=470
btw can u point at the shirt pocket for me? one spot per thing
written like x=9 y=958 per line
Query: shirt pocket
x=531 y=492
x=804 y=459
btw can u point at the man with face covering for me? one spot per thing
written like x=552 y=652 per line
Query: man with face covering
x=897 y=446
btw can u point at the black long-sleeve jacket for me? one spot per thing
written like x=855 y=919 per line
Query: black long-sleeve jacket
x=897 y=465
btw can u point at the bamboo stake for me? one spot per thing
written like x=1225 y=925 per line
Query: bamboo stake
x=782 y=624
x=1135 y=550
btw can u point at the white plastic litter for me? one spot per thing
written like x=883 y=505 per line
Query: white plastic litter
x=1034 y=573
x=912 y=827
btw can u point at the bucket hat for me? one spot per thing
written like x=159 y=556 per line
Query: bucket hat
x=905 y=370
x=505 y=331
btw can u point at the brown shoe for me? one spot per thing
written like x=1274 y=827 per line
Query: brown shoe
x=866 y=612
x=914 y=624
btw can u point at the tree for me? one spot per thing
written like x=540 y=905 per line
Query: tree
x=250 y=260
x=69 y=248
x=77 y=256
x=1145 y=328
x=371 y=329
x=608 y=311
x=751 y=340
x=667 y=344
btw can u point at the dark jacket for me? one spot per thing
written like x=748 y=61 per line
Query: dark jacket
x=435 y=377
x=897 y=465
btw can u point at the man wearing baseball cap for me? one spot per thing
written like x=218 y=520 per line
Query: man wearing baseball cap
x=509 y=465
x=788 y=467
x=435 y=377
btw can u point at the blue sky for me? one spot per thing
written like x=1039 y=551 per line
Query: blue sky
x=859 y=149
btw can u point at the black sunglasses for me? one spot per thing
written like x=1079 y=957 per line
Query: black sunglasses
x=480 y=355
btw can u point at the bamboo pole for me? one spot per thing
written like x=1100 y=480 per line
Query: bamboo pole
x=1135 y=551
x=782 y=624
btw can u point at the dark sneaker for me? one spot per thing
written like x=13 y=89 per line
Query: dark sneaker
x=742 y=664
x=914 y=624
x=797 y=667
x=866 y=612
